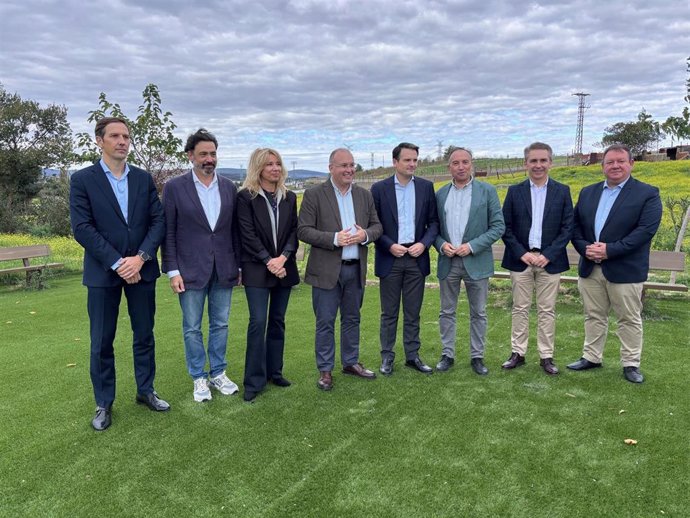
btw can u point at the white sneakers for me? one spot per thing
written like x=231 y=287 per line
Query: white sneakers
x=201 y=390
x=221 y=383
x=224 y=385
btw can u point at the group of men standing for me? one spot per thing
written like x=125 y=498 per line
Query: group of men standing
x=612 y=227
x=119 y=220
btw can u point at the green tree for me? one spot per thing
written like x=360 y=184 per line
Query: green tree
x=154 y=148
x=678 y=127
x=31 y=138
x=638 y=135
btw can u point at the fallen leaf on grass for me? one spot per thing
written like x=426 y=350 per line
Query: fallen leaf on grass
x=77 y=339
x=630 y=442
x=32 y=312
x=570 y=395
x=71 y=365
x=621 y=412
x=8 y=322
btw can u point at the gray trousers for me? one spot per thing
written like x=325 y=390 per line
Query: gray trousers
x=477 y=293
x=407 y=282
x=347 y=295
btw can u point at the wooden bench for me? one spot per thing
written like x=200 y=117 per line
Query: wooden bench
x=658 y=260
x=25 y=254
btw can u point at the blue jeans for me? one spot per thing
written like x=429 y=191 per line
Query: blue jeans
x=265 y=335
x=192 y=304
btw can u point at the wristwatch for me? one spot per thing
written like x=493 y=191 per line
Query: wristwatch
x=144 y=256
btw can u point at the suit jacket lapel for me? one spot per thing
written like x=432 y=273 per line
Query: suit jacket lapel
x=104 y=184
x=329 y=195
x=190 y=189
x=620 y=199
x=550 y=196
x=441 y=208
x=133 y=184
x=526 y=196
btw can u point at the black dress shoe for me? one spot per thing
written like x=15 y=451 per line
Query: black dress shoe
x=548 y=366
x=515 y=360
x=386 y=366
x=582 y=365
x=102 y=419
x=419 y=365
x=153 y=402
x=445 y=363
x=279 y=381
x=478 y=366
x=249 y=396
x=633 y=374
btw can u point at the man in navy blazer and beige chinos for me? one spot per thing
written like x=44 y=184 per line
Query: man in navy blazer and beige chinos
x=539 y=222
x=615 y=222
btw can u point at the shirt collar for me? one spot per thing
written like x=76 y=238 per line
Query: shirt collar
x=107 y=170
x=532 y=184
x=397 y=182
x=337 y=191
x=619 y=186
x=199 y=182
x=452 y=182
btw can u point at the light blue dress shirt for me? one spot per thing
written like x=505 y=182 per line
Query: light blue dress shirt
x=538 y=195
x=405 y=198
x=346 y=208
x=120 y=187
x=608 y=198
x=457 y=210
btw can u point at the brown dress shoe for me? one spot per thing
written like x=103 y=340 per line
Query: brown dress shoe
x=358 y=370
x=515 y=360
x=548 y=366
x=325 y=381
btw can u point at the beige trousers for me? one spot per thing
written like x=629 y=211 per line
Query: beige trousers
x=599 y=296
x=534 y=279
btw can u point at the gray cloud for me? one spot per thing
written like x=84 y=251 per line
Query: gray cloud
x=306 y=76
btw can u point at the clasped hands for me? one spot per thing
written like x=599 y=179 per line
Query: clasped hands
x=347 y=237
x=462 y=250
x=415 y=250
x=596 y=252
x=532 y=259
x=129 y=269
x=277 y=266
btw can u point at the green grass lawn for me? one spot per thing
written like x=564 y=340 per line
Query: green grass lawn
x=452 y=444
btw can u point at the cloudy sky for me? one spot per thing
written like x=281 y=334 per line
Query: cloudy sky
x=306 y=76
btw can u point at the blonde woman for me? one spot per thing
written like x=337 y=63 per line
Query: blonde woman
x=267 y=217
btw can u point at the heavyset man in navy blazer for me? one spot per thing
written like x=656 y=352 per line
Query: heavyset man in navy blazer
x=201 y=255
x=406 y=206
x=470 y=221
x=118 y=219
x=539 y=223
x=615 y=222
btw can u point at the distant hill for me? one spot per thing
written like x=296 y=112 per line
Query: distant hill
x=297 y=174
x=230 y=173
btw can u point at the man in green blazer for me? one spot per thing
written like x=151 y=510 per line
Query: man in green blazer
x=471 y=221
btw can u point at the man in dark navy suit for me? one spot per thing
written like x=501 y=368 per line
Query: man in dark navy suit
x=118 y=219
x=539 y=223
x=406 y=206
x=615 y=222
x=201 y=257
